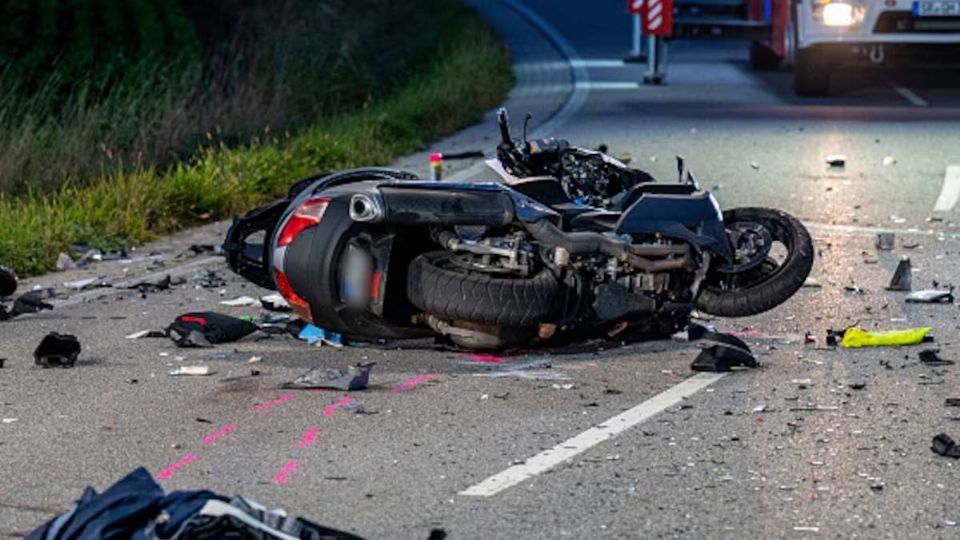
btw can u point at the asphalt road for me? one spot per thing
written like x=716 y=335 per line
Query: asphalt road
x=737 y=457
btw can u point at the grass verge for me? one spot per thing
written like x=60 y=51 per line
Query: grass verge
x=468 y=75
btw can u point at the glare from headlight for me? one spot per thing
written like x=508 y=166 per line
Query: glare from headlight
x=838 y=14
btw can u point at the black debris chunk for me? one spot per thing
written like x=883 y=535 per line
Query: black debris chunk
x=944 y=445
x=162 y=285
x=57 y=350
x=31 y=302
x=931 y=357
x=353 y=378
x=204 y=329
x=902 y=278
x=725 y=353
x=8 y=282
x=952 y=402
x=211 y=280
x=859 y=385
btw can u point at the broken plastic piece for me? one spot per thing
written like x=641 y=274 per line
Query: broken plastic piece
x=903 y=277
x=314 y=335
x=241 y=301
x=196 y=371
x=353 y=378
x=885 y=241
x=719 y=358
x=836 y=160
x=57 y=350
x=162 y=285
x=931 y=297
x=944 y=445
x=931 y=357
x=205 y=329
x=275 y=302
x=31 y=302
x=857 y=337
x=889 y=160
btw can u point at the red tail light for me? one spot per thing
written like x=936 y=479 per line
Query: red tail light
x=308 y=215
x=299 y=305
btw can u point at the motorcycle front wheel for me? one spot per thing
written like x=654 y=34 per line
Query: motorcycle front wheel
x=769 y=284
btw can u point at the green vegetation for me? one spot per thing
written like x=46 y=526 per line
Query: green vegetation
x=346 y=83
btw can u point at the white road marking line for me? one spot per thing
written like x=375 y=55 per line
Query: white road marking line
x=580 y=75
x=860 y=229
x=610 y=85
x=589 y=64
x=910 y=96
x=595 y=63
x=950 y=192
x=548 y=459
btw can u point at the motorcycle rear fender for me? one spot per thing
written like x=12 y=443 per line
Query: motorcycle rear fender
x=695 y=218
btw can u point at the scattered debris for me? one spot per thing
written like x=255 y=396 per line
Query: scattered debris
x=146 y=334
x=944 y=445
x=204 y=329
x=724 y=352
x=355 y=377
x=137 y=507
x=31 y=302
x=192 y=371
x=275 y=302
x=241 y=301
x=82 y=284
x=811 y=283
x=931 y=357
x=566 y=386
x=859 y=385
x=836 y=160
x=886 y=241
x=952 y=402
x=931 y=296
x=754 y=165
x=163 y=285
x=903 y=277
x=889 y=160
x=317 y=336
x=57 y=350
x=857 y=337
x=209 y=279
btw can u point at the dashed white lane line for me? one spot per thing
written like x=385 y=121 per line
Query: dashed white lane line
x=910 y=95
x=548 y=459
x=950 y=191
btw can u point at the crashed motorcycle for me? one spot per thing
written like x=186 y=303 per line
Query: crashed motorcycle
x=378 y=253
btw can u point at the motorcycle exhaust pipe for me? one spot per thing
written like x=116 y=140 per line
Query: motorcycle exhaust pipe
x=366 y=208
x=581 y=243
x=419 y=206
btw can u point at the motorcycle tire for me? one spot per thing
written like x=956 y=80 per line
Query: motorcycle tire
x=767 y=286
x=448 y=292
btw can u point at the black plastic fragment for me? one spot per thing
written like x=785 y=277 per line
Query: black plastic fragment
x=57 y=350
x=31 y=302
x=944 y=445
x=931 y=358
x=903 y=277
x=204 y=329
x=8 y=282
x=353 y=378
x=726 y=352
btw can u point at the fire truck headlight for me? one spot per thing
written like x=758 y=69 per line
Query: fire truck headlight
x=838 y=13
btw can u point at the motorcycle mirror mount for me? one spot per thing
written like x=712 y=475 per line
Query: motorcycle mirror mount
x=503 y=120
x=681 y=166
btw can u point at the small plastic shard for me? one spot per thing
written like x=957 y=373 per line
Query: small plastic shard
x=836 y=160
x=57 y=350
x=275 y=302
x=241 y=301
x=146 y=334
x=317 y=336
x=355 y=377
x=886 y=241
x=80 y=284
x=931 y=357
x=191 y=371
x=945 y=446
x=64 y=262
x=903 y=277
x=31 y=302
x=889 y=160
x=931 y=296
x=811 y=283
x=857 y=337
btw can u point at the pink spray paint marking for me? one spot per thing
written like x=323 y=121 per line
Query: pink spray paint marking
x=309 y=436
x=168 y=472
x=330 y=409
x=410 y=384
x=483 y=359
x=271 y=404
x=208 y=440
x=283 y=475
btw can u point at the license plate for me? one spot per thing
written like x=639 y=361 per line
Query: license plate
x=936 y=8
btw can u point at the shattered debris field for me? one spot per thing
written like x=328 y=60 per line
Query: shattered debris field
x=818 y=437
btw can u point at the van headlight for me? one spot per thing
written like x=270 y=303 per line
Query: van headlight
x=838 y=13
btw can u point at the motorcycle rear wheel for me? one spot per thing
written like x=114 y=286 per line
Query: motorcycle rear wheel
x=441 y=288
x=769 y=285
